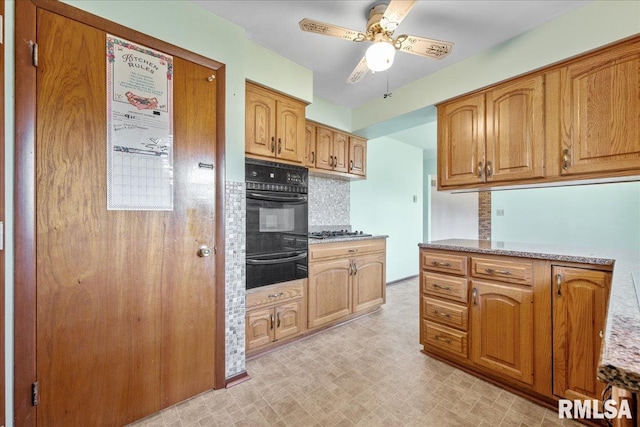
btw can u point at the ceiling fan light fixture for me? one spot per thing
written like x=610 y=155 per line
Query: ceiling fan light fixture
x=380 y=55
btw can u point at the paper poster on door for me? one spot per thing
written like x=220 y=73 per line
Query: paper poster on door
x=139 y=127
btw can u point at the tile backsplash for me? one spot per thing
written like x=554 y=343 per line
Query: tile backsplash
x=329 y=202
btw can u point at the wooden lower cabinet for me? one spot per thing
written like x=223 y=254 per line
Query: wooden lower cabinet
x=345 y=278
x=579 y=312
x=530 y=324
x=502 y=325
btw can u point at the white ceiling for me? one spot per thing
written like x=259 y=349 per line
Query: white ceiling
x=472 y=26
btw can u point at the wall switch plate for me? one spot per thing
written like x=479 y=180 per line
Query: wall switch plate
x=500 y=212
x=415 y=199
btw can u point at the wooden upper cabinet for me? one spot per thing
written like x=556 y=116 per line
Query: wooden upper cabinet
x=310 y=145
x=324 y=148
x=515 y=130
x=340 y=151
x=461 y=141
x=357 y=156
x=579 y=310
x=260 y=122
x=600 y=112
x=274 y=125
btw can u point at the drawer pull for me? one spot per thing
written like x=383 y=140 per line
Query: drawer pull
x=445 y=288
x=493 y=271
x=439 y=313
x=279 y=294
x=439 y=338
x=441 y=264
x=352 y=251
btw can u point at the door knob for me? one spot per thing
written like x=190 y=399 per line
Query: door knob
x=204 y=251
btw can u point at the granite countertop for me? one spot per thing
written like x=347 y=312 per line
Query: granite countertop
x=345 y=239
x=620 y=355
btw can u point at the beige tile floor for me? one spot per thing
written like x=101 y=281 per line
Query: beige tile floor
x=369 y=372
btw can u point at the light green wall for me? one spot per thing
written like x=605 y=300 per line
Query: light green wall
x=589 y=27
x=189 y=26
x=323 y=111
x=383 y=204
x=607 y=215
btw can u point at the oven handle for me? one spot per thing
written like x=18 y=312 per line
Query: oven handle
x=277 y=260
x=272 y=198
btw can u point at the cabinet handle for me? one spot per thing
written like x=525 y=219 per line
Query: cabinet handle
x=273 y=144
x=355 y=269
x=565 y=159
x=559 y=284
x=447 y=315
x=441 y=264
x=350 y=268
x=439 y=338
x=279 y=294
x=352 y=250
x=279 y=145
x=271 y=321
x=445 y=288
x=475 y=296
x=493 y=271
x=481 y=171
x=350 y=165
x=278 y=325
x=313 y=157
x=489 y=171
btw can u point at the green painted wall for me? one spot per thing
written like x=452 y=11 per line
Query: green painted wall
x=607 y=215
x=589 y=27
x=323 y=111
x=383 y=204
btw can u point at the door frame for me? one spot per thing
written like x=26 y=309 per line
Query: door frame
x=25 y=320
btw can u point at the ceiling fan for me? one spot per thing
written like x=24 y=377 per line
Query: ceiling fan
x=383 y=21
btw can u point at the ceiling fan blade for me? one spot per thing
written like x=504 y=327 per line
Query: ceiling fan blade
x=331 y=30
x=395 y=13
x=424 y=47
x=359 y=72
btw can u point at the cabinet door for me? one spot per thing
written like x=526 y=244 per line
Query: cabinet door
x=288 y=320
x=502 y=329
x=324 y=148
x=369 y=282
x=515 y=130
x=310 y=146
x=600 y=112
x=329 y=291
x=259 y=328
x=290 y=130
x=579 y=310
x=340 y=151
x=461 y=141
x=260 y=122
x=358 y=156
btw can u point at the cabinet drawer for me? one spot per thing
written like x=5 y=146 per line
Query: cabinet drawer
x=454 y=315
x=445 y=338
x=508 y=270
x=323 y=251
x=268 y=295
x=449 y=263
x=449 y=287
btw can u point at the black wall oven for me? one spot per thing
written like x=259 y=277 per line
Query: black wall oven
x=277 y=226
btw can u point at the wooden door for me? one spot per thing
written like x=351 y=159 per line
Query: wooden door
x=324 y=148
x=125 y=308
x=369 y=282
x=259 y=328
x=340 y=152
x=502 y=333
x=310 y=146
x=515 y=130
x=579 y=310
x=288 y=320
x=329 y=291
x=600 y=112
x=358 y=156
x=260 y=122
x=461 y=141
x=290 y=129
